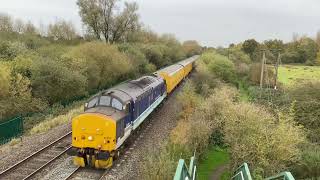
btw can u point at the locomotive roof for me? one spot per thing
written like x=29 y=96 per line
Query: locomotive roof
x=133 y=89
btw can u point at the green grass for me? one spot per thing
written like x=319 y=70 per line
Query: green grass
x=289 y=75
x=213 y=158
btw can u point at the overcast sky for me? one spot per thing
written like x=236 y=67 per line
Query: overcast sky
x=211 y=22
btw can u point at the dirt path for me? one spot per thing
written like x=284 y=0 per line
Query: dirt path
x=216 y=174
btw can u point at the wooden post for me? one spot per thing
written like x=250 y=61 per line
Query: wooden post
x=263 y=61
x=277 y=67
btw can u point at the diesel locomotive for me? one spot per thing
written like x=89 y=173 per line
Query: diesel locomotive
x=111 y=116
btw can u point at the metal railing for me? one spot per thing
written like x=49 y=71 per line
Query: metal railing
x=283 y=176
x=11 y=129
x=183 y=173
x=243 y=173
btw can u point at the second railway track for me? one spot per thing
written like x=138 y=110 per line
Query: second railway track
x=31 y=165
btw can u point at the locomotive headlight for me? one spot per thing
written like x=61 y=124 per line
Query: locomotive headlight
x=90 y=138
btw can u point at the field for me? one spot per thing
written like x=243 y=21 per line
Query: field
x=291 y=74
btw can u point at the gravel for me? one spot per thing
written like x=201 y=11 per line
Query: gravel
x=11 y=154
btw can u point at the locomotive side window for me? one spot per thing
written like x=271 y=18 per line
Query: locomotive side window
x=93 y=102
x=105 y=100
x=116 y=104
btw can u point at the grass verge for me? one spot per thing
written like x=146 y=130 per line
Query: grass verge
x=213 y=158
x=50 y=123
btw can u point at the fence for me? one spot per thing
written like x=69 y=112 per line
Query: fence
x=243 y=173
x=11 y=129
x=183 y=173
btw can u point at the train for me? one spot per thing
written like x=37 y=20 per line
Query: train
x=112 y=116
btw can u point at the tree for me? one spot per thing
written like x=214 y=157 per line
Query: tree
x=275 y=46
x=103 y=19
x=191 y=47
x=54 y=82
x=62 y=30
x=318 y=38
x=126 y=22
x=30 y=29
x=18 y=26
x=250 y=46
x=6 y=23
x=307 y=49
x=102 y=64
x=91 y=16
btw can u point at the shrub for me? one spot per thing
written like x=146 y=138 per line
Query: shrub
x=307 y=97
x=10 y=50
x=309 y=166
x=101 y=64
x=160 y=164
x=136 y=56
x=256 y=137
x=15 y=94
x=191 y=47
x=155 y=54
x=222 y=67
x=204 y=80
x=54 y=82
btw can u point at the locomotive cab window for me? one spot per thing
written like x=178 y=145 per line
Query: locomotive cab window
x=92 y=103
x=116 y=104
x=105 y=101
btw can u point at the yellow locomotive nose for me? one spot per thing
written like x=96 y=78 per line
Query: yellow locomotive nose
x=93 y=140
x=93 y=130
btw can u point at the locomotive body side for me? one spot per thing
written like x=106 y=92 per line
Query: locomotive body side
x=109 y=119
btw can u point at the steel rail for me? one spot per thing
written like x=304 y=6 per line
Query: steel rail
x=25 y=160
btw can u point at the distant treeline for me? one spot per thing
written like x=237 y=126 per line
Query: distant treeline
x=302 y=50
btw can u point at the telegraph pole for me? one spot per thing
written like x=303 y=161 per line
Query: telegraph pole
x=263 y=61
x=277 y=67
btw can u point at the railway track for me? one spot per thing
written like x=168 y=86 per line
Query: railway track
x=87 y=173
x=31 y=165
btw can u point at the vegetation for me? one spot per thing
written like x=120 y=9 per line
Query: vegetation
x=213 y=158
x=42 y=72
x=290 y=75
x=270 y=141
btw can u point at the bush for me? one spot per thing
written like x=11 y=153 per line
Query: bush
x=15 y=94
x=10 y=50
x=136 y=56
x=309 y=166
x=155 y=55
x=101 y=64
x=307 y=97
x=256 y=137
x=191 y=48
x=222 y=67
x=54 y=82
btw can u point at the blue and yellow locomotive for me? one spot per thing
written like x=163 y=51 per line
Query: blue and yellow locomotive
x=112 y=115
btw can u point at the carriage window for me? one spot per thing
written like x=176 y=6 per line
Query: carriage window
x=105 y=100
x=116 y=104
x=93 y=102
